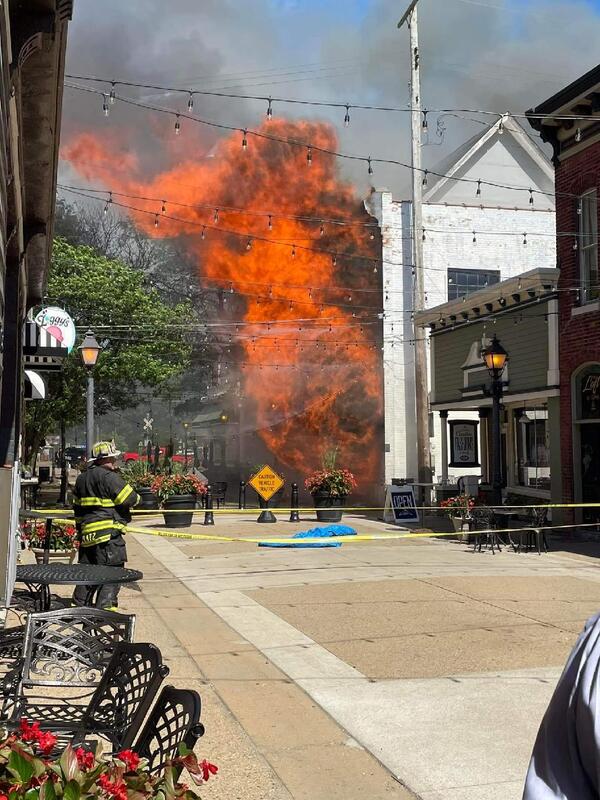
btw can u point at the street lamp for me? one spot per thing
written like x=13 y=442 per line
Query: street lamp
x=495 y=358
x=90 y=350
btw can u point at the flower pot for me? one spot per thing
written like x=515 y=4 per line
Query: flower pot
x=62 y=556
x=328 y=506
x=147 y=498
x=179 y=502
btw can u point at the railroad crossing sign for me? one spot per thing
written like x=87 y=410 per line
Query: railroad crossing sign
x=266 y=482
x=148 y=422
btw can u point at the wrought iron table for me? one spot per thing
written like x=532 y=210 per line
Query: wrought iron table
x=39 y=577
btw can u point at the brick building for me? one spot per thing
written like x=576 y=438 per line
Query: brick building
x=576 y=144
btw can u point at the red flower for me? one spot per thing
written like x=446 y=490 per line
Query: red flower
x=118 y=790
x=130 y=759
x=29 y=733
x=85 y=758
x=46 y=742
x=208 y=769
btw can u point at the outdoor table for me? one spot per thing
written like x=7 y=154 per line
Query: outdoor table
x=503 y=519
x=39 y=577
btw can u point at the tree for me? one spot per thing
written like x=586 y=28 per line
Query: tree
x=145 y=341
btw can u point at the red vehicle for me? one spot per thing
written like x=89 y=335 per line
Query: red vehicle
x=134 y=456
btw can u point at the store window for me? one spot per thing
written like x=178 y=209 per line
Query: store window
x=532 y=447
x=587 y=213
x=462 y=282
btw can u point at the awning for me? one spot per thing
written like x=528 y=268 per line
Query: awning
x=35 y=388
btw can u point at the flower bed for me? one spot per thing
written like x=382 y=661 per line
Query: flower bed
x=458 y=506
x=28 y=771
x=62 y=537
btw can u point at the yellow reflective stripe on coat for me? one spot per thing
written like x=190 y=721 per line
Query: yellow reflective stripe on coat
x=123 y=494
x=90 y=539
x=94 y=532
x=105 y=502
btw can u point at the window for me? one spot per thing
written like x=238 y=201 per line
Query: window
x=462 y=282
x=588 y=245
x=532 y=447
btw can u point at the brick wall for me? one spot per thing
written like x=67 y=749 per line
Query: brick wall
x=579 y=335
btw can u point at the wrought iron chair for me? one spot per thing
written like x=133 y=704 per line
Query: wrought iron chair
x=219 y=490
x=119 y=704
x=534 y=530
x=483 y=524
x=174 y=719
x=67 y=648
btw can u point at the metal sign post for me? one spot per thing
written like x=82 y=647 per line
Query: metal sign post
x=266 y=482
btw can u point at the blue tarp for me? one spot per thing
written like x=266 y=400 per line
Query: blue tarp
x=325 y=532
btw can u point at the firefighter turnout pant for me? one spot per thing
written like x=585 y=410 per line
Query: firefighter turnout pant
x=107 y=554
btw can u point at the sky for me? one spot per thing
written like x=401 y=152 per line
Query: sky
x=475 y=54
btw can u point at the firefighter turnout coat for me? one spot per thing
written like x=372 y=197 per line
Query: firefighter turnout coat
x=102 y=501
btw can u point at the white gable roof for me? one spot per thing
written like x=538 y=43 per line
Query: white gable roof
x=502 y=153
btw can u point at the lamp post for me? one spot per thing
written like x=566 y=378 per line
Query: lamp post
x=90 y=350
x=495 y=358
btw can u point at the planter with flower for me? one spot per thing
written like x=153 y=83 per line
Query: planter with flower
x=178 y=493
x=63 y=540
x=30 y=770
x=139 y=476
x=458 y=509
x=329 y=488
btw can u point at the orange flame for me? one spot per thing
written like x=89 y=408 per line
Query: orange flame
x=312 y=375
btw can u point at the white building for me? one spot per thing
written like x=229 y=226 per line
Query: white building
x=473 y=236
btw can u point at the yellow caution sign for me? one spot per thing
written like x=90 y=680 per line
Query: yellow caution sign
x=266 y=482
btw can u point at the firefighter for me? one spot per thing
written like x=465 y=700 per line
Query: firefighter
x=102 y=501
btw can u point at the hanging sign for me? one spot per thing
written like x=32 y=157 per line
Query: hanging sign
x=266 y=482
x=399 y=506
x=58 y=324
x=463 y=443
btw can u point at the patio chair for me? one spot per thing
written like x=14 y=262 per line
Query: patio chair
x=533 y=529
x=483 y=524
x=67 y=649
x=174 y=719
x=117 y=707
x=219 y=490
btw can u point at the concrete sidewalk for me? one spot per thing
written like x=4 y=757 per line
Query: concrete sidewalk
x=396 y=668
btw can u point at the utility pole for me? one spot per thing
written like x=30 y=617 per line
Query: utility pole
x=421 y=387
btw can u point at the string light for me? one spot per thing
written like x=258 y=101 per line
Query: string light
x=578 y=135
x=334 y=259
x=575 y=243
x=270 y=111
x=203 y=234
x=156 y=220
x=105 y=107
x=309 y=155
x=249 y=244
x=474 y=238
x=425 y=126
x=531 y=197
x=112 y=95
x=190 y=103
x=425 y=177
x=293 y=251
x=108 y=202
x=525 y=238
x=424 y=237
x=245 y=140
x=369 y=167
x=501 y=125
x=478 y=192
x=347 y=117
x=270 y=223
x=322 y=230
x=216 y=216
x=163 y=209
x=177 y=126
x=371 y=234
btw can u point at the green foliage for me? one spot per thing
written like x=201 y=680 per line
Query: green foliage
x=138 y=475
x=107 y=295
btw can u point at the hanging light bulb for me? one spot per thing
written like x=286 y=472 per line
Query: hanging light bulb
x=177 y=125
x=270 y=223
x=190 y=103
x=370 y=168
x=371 y=234
x=501 y=125
x=108 y=202
x=156 y=220
x=474 y=238
x=425 y=177
x=293 y=251
x=423 y=237
x=524 y=238
x=375 y=269
x=249 y=244
x=478 y=192
x=347 y=117
x=531 y=197
x=579 y=208
x=269 y=111
x=309 y=155
x=425 y=127
x=231 y=288
x=203 y=234
x=112 y=96
x=334 y=259
x=575 y=243
x=245 y=140
x=163 y=209
x=105 y=108
x=216 y=216
x=322 y=230
x=578 y=135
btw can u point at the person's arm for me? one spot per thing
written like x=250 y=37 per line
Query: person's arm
x=123 y=494
x=77 y=509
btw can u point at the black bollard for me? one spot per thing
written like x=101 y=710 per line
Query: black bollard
x=242 y=500
x=294 y=515
x=209 y=517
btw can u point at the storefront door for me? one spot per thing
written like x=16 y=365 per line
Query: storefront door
x=587 y=439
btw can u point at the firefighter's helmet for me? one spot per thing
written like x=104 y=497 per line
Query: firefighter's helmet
x=104 y=450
